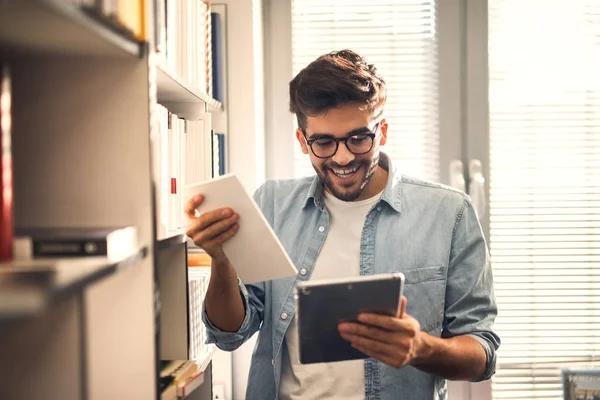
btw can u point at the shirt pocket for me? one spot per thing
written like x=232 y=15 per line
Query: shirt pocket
x=425 y=291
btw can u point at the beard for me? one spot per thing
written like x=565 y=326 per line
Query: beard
x=351 y=190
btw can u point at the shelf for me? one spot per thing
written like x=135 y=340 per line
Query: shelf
x=181 y=98
x=172 y=239
x=59 y=27
x=29 y=287
x=201 y=367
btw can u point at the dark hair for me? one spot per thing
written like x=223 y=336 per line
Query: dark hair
x=333 y=80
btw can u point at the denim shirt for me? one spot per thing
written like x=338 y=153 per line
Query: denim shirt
x=427 y=231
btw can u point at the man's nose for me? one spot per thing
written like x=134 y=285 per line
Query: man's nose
x=343 y=156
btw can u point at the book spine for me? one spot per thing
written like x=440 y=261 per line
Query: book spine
x=6 y=172
x=53 y=248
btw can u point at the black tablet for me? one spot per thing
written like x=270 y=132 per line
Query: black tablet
x=322 y=304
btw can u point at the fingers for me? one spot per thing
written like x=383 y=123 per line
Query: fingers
x=402 y=307
x=406 y=325
x=389 y=358
x=366 y=343
x=210 y=225
x=191 y=205
x=356 y=330
x=215 y=241
x=210 y=230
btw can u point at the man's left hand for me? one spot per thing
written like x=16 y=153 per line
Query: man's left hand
x=391 y=340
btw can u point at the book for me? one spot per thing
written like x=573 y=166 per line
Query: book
x=6 y=171
x=255 y=251
x=217 y=73
x=114 y=243
x=179 y=378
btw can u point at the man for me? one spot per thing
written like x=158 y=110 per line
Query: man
x=357 y=217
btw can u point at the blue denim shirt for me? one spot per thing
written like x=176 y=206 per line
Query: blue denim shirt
x=427 y=231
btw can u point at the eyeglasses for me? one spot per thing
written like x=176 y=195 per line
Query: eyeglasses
x=358 y=144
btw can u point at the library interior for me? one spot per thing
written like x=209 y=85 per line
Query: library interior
x=300 y=199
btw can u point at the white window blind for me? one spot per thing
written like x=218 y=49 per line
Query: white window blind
x=545 y=190
x=399 y=37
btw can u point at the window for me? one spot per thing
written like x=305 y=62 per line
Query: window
x=544 y=96
x=399 y=37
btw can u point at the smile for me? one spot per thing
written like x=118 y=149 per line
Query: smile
x=344 y=173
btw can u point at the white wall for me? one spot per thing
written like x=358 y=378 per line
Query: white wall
x=245 y=100
x=244 y=113
x=280 y=123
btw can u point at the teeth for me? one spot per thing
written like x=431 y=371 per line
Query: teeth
x=344 y=172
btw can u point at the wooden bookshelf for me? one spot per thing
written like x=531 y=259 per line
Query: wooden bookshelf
x=83 y=98
x=60 y=27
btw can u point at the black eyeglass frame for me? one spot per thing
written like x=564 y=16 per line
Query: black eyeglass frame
x=337 y=141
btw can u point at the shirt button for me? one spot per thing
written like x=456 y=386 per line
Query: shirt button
x=284 y=316
x=303 y=271
x=321 y=228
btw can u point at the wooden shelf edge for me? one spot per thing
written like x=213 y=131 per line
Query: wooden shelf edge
x=172 y=239
x=56 y=22
x=179 y=96
x=52 y=280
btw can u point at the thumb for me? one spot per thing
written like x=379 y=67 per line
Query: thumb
x=402 y=310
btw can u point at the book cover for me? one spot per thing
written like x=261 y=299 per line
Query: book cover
x=6 y=172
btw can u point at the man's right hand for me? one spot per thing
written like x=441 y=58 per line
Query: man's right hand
x=210 y=230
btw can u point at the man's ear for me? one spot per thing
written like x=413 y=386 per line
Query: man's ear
x=301 y=140
x=383 y=128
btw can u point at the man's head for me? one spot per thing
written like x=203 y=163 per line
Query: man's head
x=338 y=100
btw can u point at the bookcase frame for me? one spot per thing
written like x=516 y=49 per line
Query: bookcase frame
x=82 y=118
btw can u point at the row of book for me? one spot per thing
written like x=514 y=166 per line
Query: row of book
x=184 y=40
x=185 y=153
x=197 y=287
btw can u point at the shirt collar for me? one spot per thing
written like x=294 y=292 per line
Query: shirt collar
x=392 y=193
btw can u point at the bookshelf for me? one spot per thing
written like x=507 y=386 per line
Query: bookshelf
x=89 y=150
x=61 y=28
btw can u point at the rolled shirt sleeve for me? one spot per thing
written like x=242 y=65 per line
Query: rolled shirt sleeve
x=470 y=301
x=253 y=299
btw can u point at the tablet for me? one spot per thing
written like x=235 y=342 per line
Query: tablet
x=322 y=304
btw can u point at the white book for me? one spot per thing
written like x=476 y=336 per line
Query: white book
x=255 y=251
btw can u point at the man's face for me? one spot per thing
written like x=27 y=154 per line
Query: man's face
x=347 y=176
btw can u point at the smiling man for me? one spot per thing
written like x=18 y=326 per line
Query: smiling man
x=357 y=216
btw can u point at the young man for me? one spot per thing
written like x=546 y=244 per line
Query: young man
x=357 y=217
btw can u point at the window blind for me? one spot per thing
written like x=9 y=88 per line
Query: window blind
x=399 y=37
x=544 y=71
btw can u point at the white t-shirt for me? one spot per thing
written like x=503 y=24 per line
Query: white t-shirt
x=339 y=257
